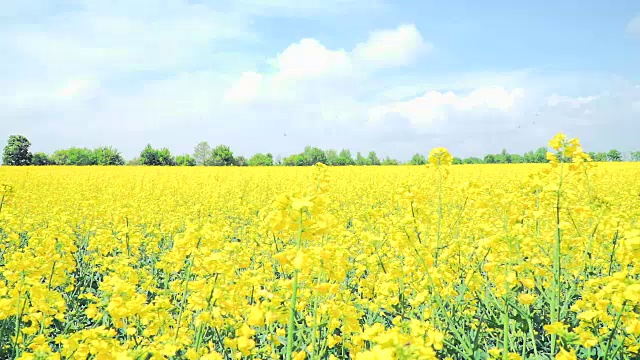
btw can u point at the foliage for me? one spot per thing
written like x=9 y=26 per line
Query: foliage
x=389 y=161
x=614 y=155
x=156 y=157
x=418 y=159
x=535 y=261
x=108 y=156
x=185 y=160
x=240 y=161
x=635 y=156
x=41 y=159
x=202 y=153
x=260 y=159
x=74 y=156
x=221 y=155
x=16 y=152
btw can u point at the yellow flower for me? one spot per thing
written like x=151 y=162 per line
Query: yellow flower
x=558 y=141
x=566 y=355
x=440 y=156
x=298 y=204
x=555 y=328
x=526 y=299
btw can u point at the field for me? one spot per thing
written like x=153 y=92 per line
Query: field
x=409 y=262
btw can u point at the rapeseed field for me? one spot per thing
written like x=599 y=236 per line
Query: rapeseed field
x=400 y=262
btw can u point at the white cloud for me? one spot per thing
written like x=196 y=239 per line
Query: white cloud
x=572 y=102
x=308 y=59
x=435 y=106
x=391 y=48
x=633 y=26
x=245 y=89
x=307 y=67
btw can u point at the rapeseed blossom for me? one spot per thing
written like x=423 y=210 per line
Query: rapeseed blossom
x=360 y=262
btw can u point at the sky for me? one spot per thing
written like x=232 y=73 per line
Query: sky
x=398 y=77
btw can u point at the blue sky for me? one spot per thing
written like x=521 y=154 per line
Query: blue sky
x=398 y=77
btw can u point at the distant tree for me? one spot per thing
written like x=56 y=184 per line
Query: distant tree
x=202 y=153
x=361 y=160
x=314 y=155
x=260 y=159
x=472 y=160
x=614 y=155
x=221 y=155
x=418 y=159
x=344 y=158
x=373 y=158
x=240 y=161
x=389 y=161
x=598 y=156
x=134 y=162
x=17 y=153
x=154 y=157
x=165 y=157
x=332 y=157
x=504 y=157
x=490 y=159
x=185 y=160
x=634 y=156
x=539 y=156
x=457 y=160
x=149 y=156
x=107 y=155
x=74 y=156
x=517 y=159
x=41 y=159
x=278 y=161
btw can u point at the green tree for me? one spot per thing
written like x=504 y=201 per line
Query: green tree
x=314 y=155
x=154 y=157
x=74 y=156
x=344 y=158
x=260 y=159
x=490 y=159
x=539 y=156
x=614 y=155
x=17 y=153
x=240 y=161
x=41 y=159
x=373 y=158
x=418 y=159
x=332 y=157
x=517 y=159
x=202 y=153
x=504 y=157
x=457 y=160
x=635 y=156
x=389 y=161
x=221 y=155
x=598 y=156
x=185 y=160
x=472 y=160
x=361 y=160
x=107 y=155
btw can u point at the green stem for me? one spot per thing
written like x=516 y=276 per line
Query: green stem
x=184 y=297
x=291 y=326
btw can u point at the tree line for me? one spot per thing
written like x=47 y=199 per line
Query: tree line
x=17 y=153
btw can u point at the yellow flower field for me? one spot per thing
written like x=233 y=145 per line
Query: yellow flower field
x=409 y=262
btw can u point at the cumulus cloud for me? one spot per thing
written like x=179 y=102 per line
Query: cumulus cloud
x=391 y=47
x=434 y=106
x=306 y=67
